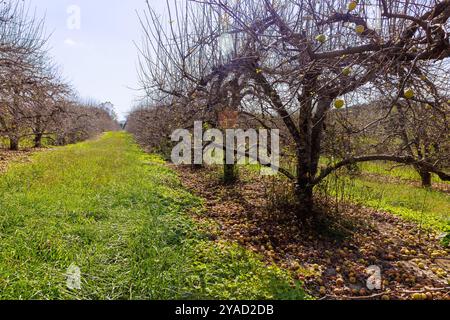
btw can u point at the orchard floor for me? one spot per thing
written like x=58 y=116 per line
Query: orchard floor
x=333 y=260
x=103 y=220
x=7 y=157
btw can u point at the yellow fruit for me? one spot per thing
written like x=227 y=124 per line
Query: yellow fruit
x=419 y=296
x=441 y=274
x=436 y=254
x=385 y=298
x=409 y=93
x=421 y=265
x=339 y=104
x=347 y=71
x=352 y=6
x=321 y=38
x=448 y=101
x=323 y=291
x=360 y=29
x=404 y=251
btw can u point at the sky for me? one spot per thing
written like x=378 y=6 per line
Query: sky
x=93 y=43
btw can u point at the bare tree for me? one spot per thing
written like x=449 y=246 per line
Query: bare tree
x=21 y=57
x=296 y=61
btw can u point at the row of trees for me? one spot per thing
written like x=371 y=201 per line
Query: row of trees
x=34 y=101
x=294 y=64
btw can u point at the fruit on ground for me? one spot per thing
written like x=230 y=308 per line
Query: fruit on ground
x=404 y=251
x=419 y=296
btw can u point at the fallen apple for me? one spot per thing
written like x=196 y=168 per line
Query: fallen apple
x=419 y=296
x=340 y=282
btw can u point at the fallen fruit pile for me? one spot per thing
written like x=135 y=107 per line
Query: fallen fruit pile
x=334 y=258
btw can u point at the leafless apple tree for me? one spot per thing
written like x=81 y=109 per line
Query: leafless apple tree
x=34 y=100
x=294 y=62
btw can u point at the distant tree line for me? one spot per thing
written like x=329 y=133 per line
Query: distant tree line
x=35 y=103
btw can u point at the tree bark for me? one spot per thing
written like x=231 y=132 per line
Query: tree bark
x=38 y=140
x=311 y=128
x=229 y=173
x=426 y=178
x=14 y=143
x=305 y=197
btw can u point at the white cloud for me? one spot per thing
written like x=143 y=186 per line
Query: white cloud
x=70 y=42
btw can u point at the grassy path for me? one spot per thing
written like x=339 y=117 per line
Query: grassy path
x=119 y=215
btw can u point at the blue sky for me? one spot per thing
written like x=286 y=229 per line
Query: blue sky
x=99 y=58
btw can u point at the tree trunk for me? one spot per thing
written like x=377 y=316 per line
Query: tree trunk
x=14 y=143
x=303 y=188
x=230 y=174
x=38 y=140
x=60 y=140
x=305 y=197
x=426 y=179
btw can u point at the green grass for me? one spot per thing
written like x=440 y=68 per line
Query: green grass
x=120 y=215
x=428 y=207
x=395 y=171
x=27 y=142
